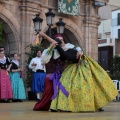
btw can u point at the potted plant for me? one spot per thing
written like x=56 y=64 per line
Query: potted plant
x=115 y=73
x=115 y=68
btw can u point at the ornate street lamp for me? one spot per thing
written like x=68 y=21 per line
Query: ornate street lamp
x=60 y=26
x=37 y=23
x=50 y=19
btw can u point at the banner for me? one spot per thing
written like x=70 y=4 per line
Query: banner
x=35 y=41
x=68 y=7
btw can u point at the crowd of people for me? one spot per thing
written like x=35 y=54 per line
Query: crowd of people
x=11 y=83
x=78 y=85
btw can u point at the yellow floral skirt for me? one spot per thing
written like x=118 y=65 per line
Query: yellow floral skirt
x=89 y=88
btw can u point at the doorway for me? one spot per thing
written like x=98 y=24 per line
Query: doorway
x=8 y=38
x=68 y=36
x=105 y=55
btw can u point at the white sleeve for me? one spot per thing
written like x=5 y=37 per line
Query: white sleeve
x=45 y=58
x=68 y=46
x=78 y=49
x=44 y=52
x=30 y=65
x=56 y=54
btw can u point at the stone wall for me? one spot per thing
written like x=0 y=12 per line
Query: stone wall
x=18 y=16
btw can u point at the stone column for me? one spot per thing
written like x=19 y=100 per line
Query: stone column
x=90 y=31
x=91 y=22
x=28 y=8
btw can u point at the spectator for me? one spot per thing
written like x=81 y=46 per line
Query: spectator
x=5 y=84
x=16 y=80
x=39 y=74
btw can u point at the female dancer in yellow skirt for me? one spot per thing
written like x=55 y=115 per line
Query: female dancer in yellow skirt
x=88 y=86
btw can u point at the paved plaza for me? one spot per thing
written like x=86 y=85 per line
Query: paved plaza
x=23 y=111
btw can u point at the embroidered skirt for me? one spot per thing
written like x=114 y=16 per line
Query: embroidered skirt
x=17 y=86
x=44 y=103
x=88 y=85
x=5 y=85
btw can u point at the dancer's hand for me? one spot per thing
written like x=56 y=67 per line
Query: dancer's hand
x=53 y=45
x=34 y=64
x=19 y=69
x=79 y=54
x=8 y=69
x=41 y=34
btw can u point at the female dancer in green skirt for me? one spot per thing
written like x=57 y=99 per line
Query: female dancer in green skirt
x=88 y=86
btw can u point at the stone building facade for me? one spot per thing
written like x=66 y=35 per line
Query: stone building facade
x=17 y=15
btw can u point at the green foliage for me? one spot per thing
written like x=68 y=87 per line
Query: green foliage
x=115 y=68
x=31 y=54
x=1 y=33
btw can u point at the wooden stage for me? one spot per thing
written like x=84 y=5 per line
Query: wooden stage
x=23 y=111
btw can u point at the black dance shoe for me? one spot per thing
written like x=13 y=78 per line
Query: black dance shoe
x=53 y=110
x=1 y=101
x=14 y=100
x=20 y=101
x=6 y=101
x=37 y=99
x=100 y=109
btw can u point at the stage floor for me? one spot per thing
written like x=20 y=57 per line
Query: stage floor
x=23 y=111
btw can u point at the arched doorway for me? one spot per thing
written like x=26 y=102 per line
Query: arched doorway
x=11 y=31
x=69 y=37
x=8 y=41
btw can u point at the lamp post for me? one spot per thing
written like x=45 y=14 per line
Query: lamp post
x=60 y=26
x=37 y=23
x=49 y=20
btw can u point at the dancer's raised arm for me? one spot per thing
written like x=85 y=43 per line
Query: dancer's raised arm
x=41 y=34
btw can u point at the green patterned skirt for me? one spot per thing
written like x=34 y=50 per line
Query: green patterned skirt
x=88 y=85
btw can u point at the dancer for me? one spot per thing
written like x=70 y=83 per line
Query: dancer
x=89 y=87
x=5 y=84
x=16 y=80
x=54 y=67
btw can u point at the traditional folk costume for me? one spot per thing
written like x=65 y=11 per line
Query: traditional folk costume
x=5 y=84
x=17 y=82
x=89 y=87
x=38 y=76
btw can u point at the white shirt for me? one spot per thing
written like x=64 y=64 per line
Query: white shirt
x=68 y=46
x=37 y=60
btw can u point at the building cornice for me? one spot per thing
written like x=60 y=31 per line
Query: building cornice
x=33 y=6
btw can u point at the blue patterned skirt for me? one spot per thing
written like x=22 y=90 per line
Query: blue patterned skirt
x=38 y=82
